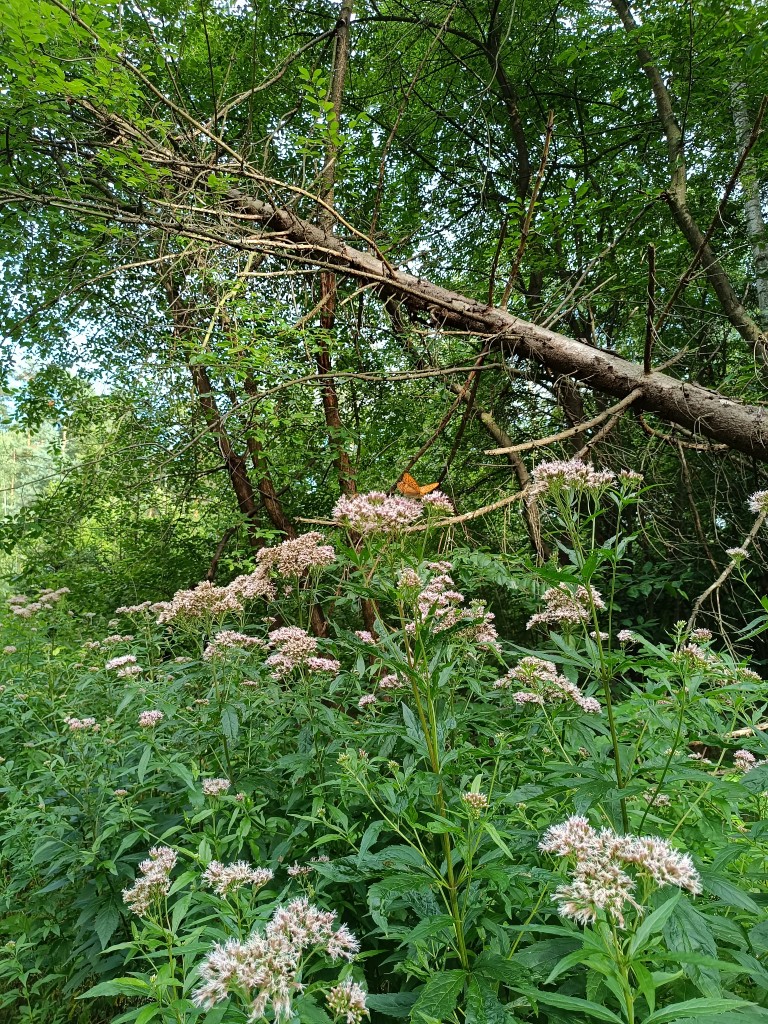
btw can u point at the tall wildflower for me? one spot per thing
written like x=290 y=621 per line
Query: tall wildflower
x=544 y=685
x=228 y=878
x=439 y=604
x=292 y=647
x=572 y=475
x=347 y=1001
x=376 y=512
x=155 y=880
x=600 y=881
x=298 y=556
x=265 y=968
x=205 y=601
x=229 y=638
x=566 y=605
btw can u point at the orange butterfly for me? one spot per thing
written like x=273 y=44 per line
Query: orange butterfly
x=408 y=486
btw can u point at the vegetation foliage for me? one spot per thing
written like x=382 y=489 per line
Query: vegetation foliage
x=287 y=734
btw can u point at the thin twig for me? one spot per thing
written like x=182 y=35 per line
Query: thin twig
x=529 y=215
x=564 y=434
x=650 y=333
x=727 y=571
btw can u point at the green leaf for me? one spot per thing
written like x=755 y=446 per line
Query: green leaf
x=584 y=1007
x=106 y=922
x=687 y=931
x=482 y=1005
x=437 y=1000
x=495 y=967
x=654 y=923
x=117 y=987
x=308 y=1012
x=141 y=771
x=729 y=893
x=392 y=1004
x=696 y=1007
x=230 y=724
x=493 y=833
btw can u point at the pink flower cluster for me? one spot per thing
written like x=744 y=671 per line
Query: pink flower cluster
x=206 y=601
x=440 y=604
x=229 y=638
x=82 y=724
x=155 y=880
x=544 y=685
x=20 y=605
x=265 y=968
x=376 y=512
x=437 y=501
x=296 y=557
x=125 y=666
x=150 y=719
x=347 y=1001
x=228 y=878
x=108 y=641
x=600 y=881
x=567 y=605
x=294 y=648
x=215 y=787
x=571 y=475
x=758 y=502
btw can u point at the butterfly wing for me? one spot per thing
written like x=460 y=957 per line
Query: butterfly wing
x=408 y=486
x=428 y=488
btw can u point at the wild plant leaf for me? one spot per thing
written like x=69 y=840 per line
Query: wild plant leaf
x=437 y=999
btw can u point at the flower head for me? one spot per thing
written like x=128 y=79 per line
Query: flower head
x=758 y=502
x=568 y=475
x=203 y=602
x=265 y=968
x=347 y=1001
x=376 y=512
x=154 y=882
x=149 y=719
x=567 y=605
x=544 y=685
x=215 y=787
x=298 y=556
x=600 y=881
x=228 y=878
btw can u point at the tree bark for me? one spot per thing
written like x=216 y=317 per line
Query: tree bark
x=344 y=470
x=712 y=415
x=235 y=464
x=676 y=196
x=753 y=210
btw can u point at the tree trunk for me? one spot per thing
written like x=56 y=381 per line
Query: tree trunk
x=676 y=196
x=344 y=470
x=753 y=210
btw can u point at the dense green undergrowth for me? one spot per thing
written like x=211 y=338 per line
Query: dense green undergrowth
x=242 y=805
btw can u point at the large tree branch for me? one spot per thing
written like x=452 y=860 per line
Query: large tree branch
x=708 y=413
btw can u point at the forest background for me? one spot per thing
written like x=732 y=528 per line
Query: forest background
x=258 y=259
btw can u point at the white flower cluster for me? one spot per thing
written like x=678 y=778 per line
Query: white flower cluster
x=567 y=605
x=21 y=606
x=228 y=878
x=599 y=880
x=571 y=475
x=544 y=685
x=265 y=968
x=376 y=512
x=155 y=880
x=293 y=648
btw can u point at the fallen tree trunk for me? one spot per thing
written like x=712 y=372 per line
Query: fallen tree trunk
x=707 y=413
